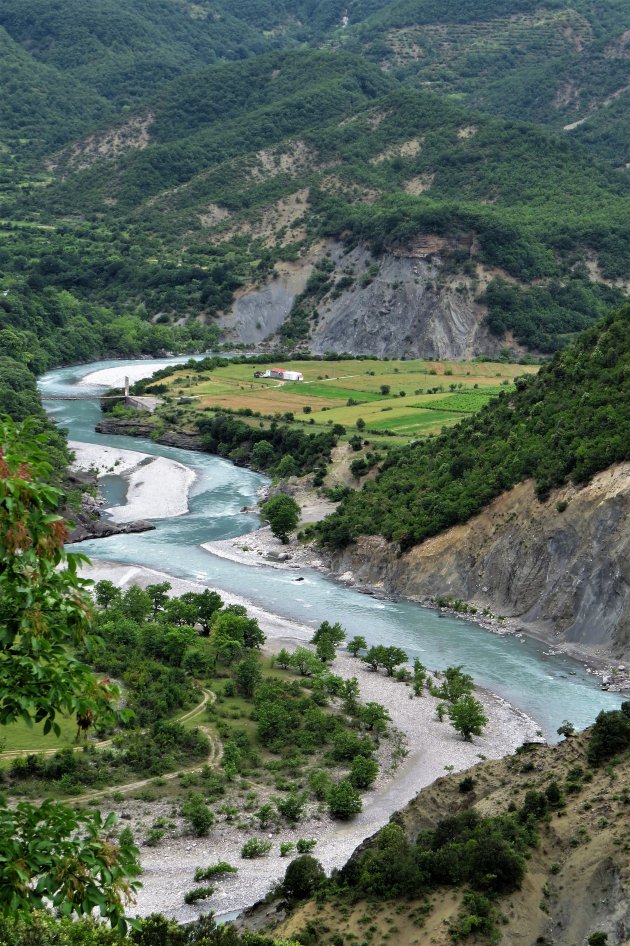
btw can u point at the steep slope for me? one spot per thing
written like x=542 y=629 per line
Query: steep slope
x=125 y=49
x=40 y=109
x=560 y=566
x=549 y=62
x=407 y=884
x=513 y=236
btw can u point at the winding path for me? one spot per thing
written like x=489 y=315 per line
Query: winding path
x=214 y=756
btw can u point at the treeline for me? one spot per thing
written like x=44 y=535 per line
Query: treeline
x=278 y=448
x=569 y=421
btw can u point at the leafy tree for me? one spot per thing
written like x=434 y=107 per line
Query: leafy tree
x=467 y=716
x=207 y=604
x=392 y=657
x=196 y=811
x=325 y=650
x=248 y=675
x=302 y=878
x=374 y=657
x=106 y=593
x=283 y=514
x=356 y=644
x=158 y=593
x=283 y=658
x=49 y=852
x=293 y=806
x=344 y=801
x=306 y=662
x=363 y=772
x=179 y=612
x=456 y=684
x=136 y=604
x=334 y=633
x=374 y=716
x=610 y=734
x=419 y=677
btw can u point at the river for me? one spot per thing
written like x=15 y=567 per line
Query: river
x=548 y=688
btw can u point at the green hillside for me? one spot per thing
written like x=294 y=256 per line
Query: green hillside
x=179 y=224
x=40 y=108
x=551 y=62
x=569 y=421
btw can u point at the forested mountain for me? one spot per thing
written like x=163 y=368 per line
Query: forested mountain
x=209 y=147
x=553 y=62
x=242 y=165
x=40 y=108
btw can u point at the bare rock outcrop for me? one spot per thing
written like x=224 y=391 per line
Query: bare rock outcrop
x=561 y=567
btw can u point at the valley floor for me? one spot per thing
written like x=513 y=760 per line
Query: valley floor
x=432 y=748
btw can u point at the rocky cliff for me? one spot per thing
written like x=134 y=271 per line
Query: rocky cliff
x=411 y=306
x=404 y=302
x=561 y=567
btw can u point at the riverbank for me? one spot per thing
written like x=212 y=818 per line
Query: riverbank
x=157 y=488
x=262 y=548
x=432 y=749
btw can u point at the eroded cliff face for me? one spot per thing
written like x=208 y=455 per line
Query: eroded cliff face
x=407 y=302
x=564 y=572
x=410 y=306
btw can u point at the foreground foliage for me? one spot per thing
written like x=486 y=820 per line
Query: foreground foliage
x=49 y=852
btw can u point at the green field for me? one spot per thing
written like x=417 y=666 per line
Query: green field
x=407 y=398
x=19 y=736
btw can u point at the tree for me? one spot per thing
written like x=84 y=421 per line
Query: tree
x=363 y=771
x=360 y=423
x=158 y=593
x=196 y=811
x=179 y=612
x=293 y=806
x=306 y=662
x=302 y=877
x=419 y=677
x=344 y=801
x=136 y=604
x=334 y=632
x=263 y=455
x=456 y=684
x=325 y=650
x=467 y=716
x=49 y=853
x=283 y=514
x=283 y=658
x=374 y=657
x=106 y=593
x=374 y=717
x=391 y=657
x=248 y=675
x=230 y=626
x=207 y=604
x=356 y=644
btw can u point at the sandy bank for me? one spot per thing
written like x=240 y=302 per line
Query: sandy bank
x=432 y=747
x=115 y=377
x=157 y=488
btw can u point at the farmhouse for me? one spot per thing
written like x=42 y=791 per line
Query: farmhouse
x=280 y=374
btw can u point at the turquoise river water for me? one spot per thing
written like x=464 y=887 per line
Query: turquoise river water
x=549 y=688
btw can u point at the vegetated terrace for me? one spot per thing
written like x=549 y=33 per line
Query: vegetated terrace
x=402 y=398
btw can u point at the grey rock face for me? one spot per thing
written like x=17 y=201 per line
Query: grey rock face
x=409 y=308
x=259 y=314
x=564 y=575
